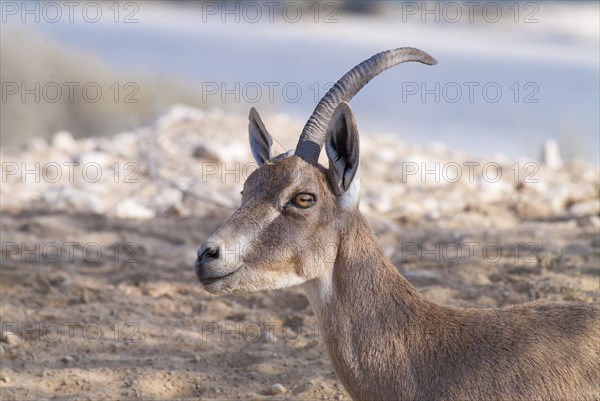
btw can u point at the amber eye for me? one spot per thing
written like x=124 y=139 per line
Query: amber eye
x=304 y=200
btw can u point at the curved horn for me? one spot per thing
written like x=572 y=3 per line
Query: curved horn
x=313 y=135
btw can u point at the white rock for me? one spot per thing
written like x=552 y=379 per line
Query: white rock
x=67 y=359
x=101 y=158
x=412 y=209
x=89 y=144
x=382 y=203
x=490 y=191
x=585 y=208
x=386 y=154
x=433 y=215
x=10 y=338
x=65 y=142
x=71 y=199
x=216 y=113
x=167 y=197
x=275 y=389
x=125 y=144
x=551 y=154
x=431 y=204
x=179 y=113
x=133 y=209
x=557 y=197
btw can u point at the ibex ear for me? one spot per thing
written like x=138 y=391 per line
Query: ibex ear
x=342 y=150
x=261 y=143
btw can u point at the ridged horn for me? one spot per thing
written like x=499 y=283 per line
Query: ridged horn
x=313 y=135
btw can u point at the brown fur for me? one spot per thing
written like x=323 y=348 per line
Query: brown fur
x=386 y=341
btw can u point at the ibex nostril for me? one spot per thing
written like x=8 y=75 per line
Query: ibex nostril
x=212 y=253
x=207 y=253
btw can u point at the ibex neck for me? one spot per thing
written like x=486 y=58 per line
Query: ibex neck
x=362 y=277
x=367 y=313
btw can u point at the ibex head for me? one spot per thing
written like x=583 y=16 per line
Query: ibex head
x=294 y=210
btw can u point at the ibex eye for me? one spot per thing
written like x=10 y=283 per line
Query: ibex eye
x=304 y=200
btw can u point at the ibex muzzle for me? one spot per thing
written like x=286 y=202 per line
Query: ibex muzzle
x=299 y=223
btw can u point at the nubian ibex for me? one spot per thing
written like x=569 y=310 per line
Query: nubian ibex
x=387 y=342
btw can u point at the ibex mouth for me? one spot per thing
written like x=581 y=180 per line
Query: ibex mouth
x=206 y=281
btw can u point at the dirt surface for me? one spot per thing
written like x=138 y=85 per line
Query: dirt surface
x=133 y=323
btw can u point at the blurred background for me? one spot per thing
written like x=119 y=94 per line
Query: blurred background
x=510 y=75
x=103 y=230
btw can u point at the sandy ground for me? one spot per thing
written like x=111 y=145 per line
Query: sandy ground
x=133 y=323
